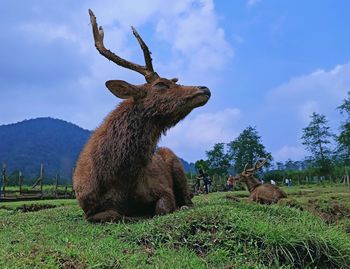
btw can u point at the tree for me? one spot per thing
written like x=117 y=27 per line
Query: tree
x=202 y=164
x=247 y=148
x=291 y=165
x=280 y=166
x=317 y=138
x=343 y=140
x=218 y=160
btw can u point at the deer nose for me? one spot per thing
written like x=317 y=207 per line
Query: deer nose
x=205 y=90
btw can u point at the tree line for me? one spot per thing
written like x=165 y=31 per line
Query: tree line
x=328 y=159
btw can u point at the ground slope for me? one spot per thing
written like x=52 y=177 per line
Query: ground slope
x=218 y=232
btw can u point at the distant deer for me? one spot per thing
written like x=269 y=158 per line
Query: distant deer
x=261 y=193
x=120 y=173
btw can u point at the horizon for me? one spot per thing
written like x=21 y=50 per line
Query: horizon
x=268 y=64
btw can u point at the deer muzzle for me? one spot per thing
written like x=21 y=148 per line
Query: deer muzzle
x=205 y=91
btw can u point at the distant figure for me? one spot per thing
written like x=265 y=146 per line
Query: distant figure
x=286 y=181
x=289 y=182
x=210 y=184
x=262 y=181
x=272 y=182
x=207 y=183
x=229 y=183
x=199 y=177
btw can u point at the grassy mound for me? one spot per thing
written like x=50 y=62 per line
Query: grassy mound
x=217 y=233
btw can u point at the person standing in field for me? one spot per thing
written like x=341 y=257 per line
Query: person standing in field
x=286 y=181
x=199 y=177
x=229 y=183
x=207 y=182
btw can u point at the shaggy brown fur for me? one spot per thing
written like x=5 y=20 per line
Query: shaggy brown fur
x=120 y=174
x=261 y=193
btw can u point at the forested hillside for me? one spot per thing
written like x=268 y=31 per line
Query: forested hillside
x=53 y=142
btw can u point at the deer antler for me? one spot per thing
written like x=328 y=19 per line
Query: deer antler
x=250 y=170
x=256 y=166
x=245 y=168
x=147 y=71
x=260 y=164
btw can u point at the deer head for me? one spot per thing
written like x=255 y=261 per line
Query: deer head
x=248 y=173
x=161 y=99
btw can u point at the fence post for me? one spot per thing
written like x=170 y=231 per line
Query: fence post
x=3 y=180
x=56 y=186
x=41 y=179
x=20 y=182
x=217 y=184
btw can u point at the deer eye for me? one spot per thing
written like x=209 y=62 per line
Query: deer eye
x=161 y=86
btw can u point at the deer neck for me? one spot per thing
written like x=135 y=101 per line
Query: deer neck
x=131 y=140
x=252 y=183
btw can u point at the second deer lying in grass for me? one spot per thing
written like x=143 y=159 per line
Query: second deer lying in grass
x=261 y=193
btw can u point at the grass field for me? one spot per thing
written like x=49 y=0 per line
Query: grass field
x=309 y=229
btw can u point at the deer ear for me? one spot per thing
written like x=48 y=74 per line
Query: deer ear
x=122 y=89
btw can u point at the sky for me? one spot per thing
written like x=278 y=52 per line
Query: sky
x=269 y=64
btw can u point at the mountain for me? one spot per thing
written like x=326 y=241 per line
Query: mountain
x=53 y=142
x=189 y=167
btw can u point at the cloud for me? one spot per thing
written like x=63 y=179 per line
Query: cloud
x=64 y=71
x=288 y=107
x=321 y=91
x=196 y=46
x=197 y=134
x=193 y=31
x=289 y=152
x=48 y=32
x=251 y=3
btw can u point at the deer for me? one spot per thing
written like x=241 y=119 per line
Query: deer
x=261 y=193
x=121 y=174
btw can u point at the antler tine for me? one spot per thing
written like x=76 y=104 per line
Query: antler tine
x=147 y=55
x=255 y=167
x=258 y=164
x=146 y=52
x=245 y=168
x=98 y=37
x=250 y=170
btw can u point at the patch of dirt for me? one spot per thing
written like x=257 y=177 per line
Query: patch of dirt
x=34 y=207
x=303 y=192
x=199 y=237
x=70 y=263
x=232 y=198
x=329 y=212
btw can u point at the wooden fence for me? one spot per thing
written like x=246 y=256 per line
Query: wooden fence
x=35 y=192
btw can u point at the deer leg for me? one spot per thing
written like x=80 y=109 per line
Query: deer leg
x=105 y=216
x=181 y=192
x=110 y=216
x=180 y=187
x=252 y=198
x=165 y=204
